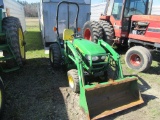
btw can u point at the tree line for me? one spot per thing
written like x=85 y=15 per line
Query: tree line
x=31 y=9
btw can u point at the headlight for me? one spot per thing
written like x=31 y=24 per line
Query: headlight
x=103 y=57
x=94 y=58
x=88 y=57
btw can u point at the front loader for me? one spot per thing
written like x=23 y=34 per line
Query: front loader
x=94 y=71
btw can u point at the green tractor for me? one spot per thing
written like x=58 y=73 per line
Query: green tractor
x=12 y=47
x=94 y=71
x=12 y=43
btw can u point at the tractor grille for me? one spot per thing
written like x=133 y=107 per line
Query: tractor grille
x=98 y=66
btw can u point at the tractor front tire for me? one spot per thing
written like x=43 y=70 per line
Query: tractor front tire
x=108 y=32
x=92 y=31
x=138 y=58
x=1 y=96
x=73 y=80
x=55 y=55
x=15 y=38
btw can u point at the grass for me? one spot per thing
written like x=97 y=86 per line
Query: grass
x=149 y=75
x=33 y=38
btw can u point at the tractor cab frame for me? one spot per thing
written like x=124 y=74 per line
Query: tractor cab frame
x=119 y=13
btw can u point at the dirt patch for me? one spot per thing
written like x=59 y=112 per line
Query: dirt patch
x=37 y=92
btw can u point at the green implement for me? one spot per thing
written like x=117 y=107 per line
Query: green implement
x=12 y=44
x=95 y=72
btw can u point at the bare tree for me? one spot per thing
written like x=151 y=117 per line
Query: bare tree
x=31 y=9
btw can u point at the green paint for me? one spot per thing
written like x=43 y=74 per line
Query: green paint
x=6 y=47
x=87 y=47
x=75 y=55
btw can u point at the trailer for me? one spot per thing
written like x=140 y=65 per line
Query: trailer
x=47 y=18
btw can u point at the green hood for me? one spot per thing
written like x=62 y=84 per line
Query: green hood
x=87 y=47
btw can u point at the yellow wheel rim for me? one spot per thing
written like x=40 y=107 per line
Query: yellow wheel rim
x=71 y=82
x=21 y=43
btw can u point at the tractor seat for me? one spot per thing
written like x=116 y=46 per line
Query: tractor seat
x=68 y=34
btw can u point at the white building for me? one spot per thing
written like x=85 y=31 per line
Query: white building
x=156 y=10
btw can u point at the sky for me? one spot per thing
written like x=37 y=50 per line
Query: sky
x=155 y=2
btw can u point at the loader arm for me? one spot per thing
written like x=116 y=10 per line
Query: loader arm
x=76 y=59
x=114 y=55
x=74 y=56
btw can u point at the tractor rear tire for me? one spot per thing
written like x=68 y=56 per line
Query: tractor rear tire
x=138 y=58
x=55 y=55
x=12 y=27
x=108 y=32
x=92 y=31
x=1 y=96
x=73 y=80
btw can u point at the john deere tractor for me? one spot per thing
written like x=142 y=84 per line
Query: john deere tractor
x=94 y=70
x=12 y=46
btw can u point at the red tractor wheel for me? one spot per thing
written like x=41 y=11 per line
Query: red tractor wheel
x=87 y=34
x=138 y=58
x=92 y=31
x=135 y=60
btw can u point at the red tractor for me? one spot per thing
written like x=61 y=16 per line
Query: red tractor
x=128 y=23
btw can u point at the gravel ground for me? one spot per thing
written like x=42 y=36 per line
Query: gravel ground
x=36 y=92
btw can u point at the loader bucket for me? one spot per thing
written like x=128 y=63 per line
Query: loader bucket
x=108 y=98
